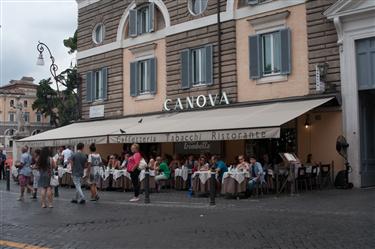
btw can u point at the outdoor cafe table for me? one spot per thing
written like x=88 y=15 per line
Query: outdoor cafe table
x=181 y=176
x=235 y=182
x=152 y=183
x=200 y=181
x=65 y=176
x=113 y=178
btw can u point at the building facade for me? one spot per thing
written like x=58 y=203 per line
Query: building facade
x=24 y=92
x=228 y=77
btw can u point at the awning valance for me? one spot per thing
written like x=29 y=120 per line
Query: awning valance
x=233 y=123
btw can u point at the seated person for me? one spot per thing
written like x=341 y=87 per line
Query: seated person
x=256 y=173
x=219 y=166
x=124 y=164
x=190 y=162
x=242 y=164
x=152 y=164
x=163 y=169
x=202 y=164
x=114 y=163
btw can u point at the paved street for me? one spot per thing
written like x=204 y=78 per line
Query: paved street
x=319 y=219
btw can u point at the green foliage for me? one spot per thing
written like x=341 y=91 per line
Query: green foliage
x=71 y=43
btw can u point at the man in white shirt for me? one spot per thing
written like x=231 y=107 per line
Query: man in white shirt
x=67 y=153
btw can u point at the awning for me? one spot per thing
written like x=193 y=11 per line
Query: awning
x=232 y=123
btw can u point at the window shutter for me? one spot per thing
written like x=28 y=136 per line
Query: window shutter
x=105 y=82
x=134 y=79
x=285 y=39
x=89 y=87
x=133 y=32
x=151 y=8
x=255 y=62
x=185 y=69
x=153 y=75
x=209 y=65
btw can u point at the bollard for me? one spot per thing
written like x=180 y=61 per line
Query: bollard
x=7 y=175
x=212 y=188
x=56 y=191
x=147 y=186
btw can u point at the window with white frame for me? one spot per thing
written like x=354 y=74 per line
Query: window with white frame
x=271 y=53
x=38 y=117
x=144 y=20
x=12 y=117
x=143 y=77
x=98 y=33
x=197 y=7
x=98 y=85
x=141 y=20
x=26 y=117
x=198 y=66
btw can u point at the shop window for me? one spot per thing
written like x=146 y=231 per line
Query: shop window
x=143 y=77
x=196 y=67
x=96 y=85
x=141 y=20
x=270 y=54
x=197 y=7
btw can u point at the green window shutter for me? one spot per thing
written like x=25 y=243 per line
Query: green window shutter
x=209 y=64
x=134 y=79
x=151 y=8
x=285 y=39
x=133 y=30
x=89 y=86
x=185 y=69
x=255 y=57
x=105 y=82
x=153 y=75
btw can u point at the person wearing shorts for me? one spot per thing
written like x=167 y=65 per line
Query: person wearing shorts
x=94 y=164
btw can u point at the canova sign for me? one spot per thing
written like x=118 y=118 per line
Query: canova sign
x=193 y=102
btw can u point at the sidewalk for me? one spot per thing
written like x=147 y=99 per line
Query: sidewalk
x=318 y=219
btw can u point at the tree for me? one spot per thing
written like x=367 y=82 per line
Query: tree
x=60 y=104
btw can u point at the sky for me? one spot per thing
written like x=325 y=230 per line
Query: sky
x=24 y=23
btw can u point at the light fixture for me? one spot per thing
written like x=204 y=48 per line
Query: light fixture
x=40 y=60
x=307 y=121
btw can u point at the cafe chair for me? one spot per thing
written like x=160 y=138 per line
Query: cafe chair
x=261 y=188
x=313 y=177
x=301 y=179
x=168 y=183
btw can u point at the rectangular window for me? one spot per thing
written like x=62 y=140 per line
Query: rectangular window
x=144 y=76
x=38 y=118
x=271 y=49
x=11 y=103
x=11 y=117
x=198 y=66
x=26 y=117
x=98 y=85
x=144 y=20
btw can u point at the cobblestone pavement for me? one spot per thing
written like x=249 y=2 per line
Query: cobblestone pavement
x=317 y=219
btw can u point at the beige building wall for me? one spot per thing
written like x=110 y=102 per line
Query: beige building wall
x=297 y=82
x=148 y=103
x=320 y=138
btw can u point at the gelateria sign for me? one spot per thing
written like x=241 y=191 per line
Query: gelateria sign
x=241 y=134
x=195 y=102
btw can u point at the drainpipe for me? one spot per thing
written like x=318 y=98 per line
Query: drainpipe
x=219 y=46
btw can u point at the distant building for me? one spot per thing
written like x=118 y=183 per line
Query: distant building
x=34 y=121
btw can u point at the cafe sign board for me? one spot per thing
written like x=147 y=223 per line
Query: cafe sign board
x=198 y=147
x=195 y=102
x=219 y=135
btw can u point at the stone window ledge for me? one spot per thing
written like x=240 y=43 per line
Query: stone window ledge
x=272 y=79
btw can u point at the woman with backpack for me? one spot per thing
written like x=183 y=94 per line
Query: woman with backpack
x=45 y=165
x=94 y=165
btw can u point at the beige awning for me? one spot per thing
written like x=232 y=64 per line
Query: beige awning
x=232 y=123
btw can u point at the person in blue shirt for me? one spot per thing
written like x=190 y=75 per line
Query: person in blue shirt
x=219 y=166
x=256 y=173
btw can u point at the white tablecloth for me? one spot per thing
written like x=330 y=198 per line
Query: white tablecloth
x=184 y=173
x=62 y=171
x=203 y=176
x=237 y=175
x=142 y=174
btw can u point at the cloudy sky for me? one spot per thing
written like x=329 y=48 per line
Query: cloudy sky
x=23 y=24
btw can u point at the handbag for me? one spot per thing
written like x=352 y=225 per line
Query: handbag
x=54 y=181
x=142 y=164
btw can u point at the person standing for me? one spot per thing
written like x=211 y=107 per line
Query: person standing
x=67 y=154
x=79 y=162
x=94 y=164
x=59 y=162
x=25 y=172
x=35 y=171
x=3 y=158
x=134 y=171
x=45 y=165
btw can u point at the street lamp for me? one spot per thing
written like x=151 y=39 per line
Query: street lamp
x=53 y=67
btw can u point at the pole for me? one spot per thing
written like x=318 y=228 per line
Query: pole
x=7 y=175
x=219 y=46
x=293 y=179
x=212 y=188
x=147 y=186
